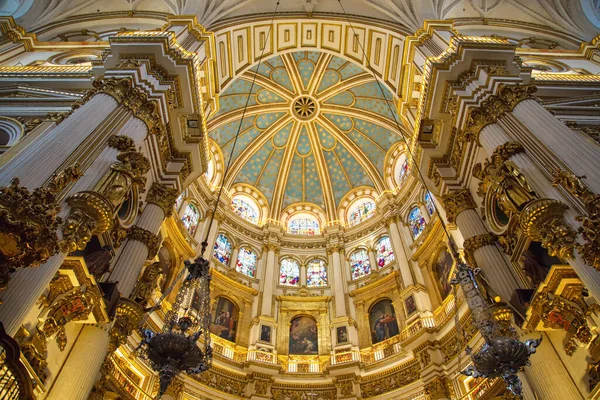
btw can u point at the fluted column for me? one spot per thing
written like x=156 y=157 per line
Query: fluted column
x=460 y=208
x=492 y=137
x=270 y=279
x=547 y=374
x=142 y=242
x=234 y=256
x=336 y=267
x=577 y=151
x=27 y=285
x=38 y=161
x=372 y=259
x=400 y=253
x=82 y=368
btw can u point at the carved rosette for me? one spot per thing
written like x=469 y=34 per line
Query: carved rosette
x=163 y=196
x=457 y=202
x=28 y=223
x=472 y=244
x=127 y=318
x=148 y=238
x=542 y=220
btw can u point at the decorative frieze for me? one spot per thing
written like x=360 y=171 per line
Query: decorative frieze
x=388 y=382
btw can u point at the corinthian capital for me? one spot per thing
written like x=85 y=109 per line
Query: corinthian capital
x=148 y=238
x=457 y=202
x=163 y=196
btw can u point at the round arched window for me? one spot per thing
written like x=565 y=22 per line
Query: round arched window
x=222 y=249
x=359 y=264
x=289 y=272
x=401 y=171
x=245 y=208
x=416 y=221
x=316 y=273
x=385 y=254
x=190 y=218
x=304 y=224
x=360 y=211
x=246 y=262
x=429 y=203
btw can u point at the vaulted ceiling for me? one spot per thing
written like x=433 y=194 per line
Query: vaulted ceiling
x=316 y=127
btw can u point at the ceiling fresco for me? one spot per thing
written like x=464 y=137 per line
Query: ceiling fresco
x=316 y=127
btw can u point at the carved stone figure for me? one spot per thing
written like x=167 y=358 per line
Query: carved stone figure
x=148 y=282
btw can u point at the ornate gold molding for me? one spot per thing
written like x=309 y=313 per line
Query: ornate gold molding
x=127 y=318
x=590 y=229
x=148 y=238
x=542 y=220
x=163 y=196
x=28 y=223
x=121 y=143
x=474 y=243
x=457 y=202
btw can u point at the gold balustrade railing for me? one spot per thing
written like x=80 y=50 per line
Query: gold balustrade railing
x=15 y=382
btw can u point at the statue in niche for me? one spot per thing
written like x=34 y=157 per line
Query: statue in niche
x=148 y=282
x=513 y=192
x=98 y=262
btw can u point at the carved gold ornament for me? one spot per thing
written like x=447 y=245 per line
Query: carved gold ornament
x=148 y=238
x=474 y=243
x=163 y=196
x=457 y=202
x=28 y=223
x=542 y=220
x=127 y=318
x=590 y=229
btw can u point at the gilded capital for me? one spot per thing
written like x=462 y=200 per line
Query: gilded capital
x=148 y=238
x=474 y=243
x=514 y=94
x=457 y=202
x=163 y=196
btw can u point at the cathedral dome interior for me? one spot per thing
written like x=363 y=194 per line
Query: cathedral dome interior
x=299 y=199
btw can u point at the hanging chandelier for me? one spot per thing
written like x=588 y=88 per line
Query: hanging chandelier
x=175 y=349
x=502 y=355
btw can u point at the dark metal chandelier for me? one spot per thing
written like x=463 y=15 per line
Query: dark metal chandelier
x=502 y=355
x=175 y=349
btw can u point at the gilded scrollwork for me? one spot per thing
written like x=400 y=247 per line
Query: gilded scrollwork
x=121 y=142
x=390 y=382
x=28 y=223
x=148 y=238
x=542 y=220
x=457 y=202
x=437 y=389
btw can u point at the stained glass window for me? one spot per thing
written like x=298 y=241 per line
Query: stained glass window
x=246 y=262
x=304 y=226
x=359 y=264
x=385 y=254
x=429 y=203
x=190 y=218
x=360 y=212
x=403 y=172
x=316 y=273
x=222 y=249
x=289 y=272
x=245 y=210
x=178 y=201
x=416 y=222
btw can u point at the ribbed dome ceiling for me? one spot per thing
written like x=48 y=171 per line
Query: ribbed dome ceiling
x=317 y=126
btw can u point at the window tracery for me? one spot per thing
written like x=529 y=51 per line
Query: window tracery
x=222 y=249
x=385 y=253
x=359 y=264
x=245 y=209
x=316 y=273
x=304 y=225
x=429 y=203
x=289 y=272
x=190 y=218
x=360 y=211
x=416 y=221
x=246 y=262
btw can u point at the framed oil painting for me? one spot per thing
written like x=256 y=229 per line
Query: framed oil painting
x=265 y=333
x=341 y=334
x=382 y=318
x=225 y=319
x=410 y=306
x=442 y=270
x=304 y=338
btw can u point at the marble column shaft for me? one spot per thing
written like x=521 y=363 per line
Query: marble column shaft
x=577 y=151
x=336 y=266
x=270 y=281
x=400 y=253
x=27 y=285
x=128 y=267
x=82 y=369
x=488 y=257
x=495 y=135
